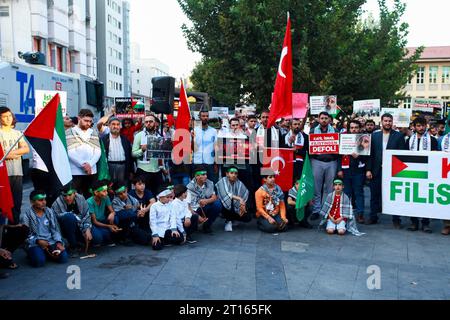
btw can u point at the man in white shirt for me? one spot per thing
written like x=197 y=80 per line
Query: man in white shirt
x=83 y=146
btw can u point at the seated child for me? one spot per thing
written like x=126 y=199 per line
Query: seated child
x=336 y=209
x=187 y=220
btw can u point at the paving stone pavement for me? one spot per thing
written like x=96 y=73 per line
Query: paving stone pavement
x=248 y=264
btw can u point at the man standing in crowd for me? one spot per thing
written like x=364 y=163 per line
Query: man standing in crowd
x=204 y=140
x=421 y=140
x=298 y=140
x=8 y=136
x=352 y=169
x=118 y=153
x=202 y=197
x=234 y=196
x=149 y=168
x=385 y=139
x=83 y=146
x=324 y=166
x=444 y=146
x=370 y=126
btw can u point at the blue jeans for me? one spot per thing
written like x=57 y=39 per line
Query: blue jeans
x=104 y=234
x=38 y=256
x=354 y=189
x=265 y=226
x=71 y=231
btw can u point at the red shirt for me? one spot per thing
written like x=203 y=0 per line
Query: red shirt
x=335 y=211
x=129 y=132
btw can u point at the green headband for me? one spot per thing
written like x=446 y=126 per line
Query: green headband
x=69 y=192
x=233 y=170
x=121 y=189
x=338 y=181
x=199 y=173
x=40 y=196
x=102 y=188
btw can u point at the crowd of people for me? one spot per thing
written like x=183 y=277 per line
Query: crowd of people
x=155 y=202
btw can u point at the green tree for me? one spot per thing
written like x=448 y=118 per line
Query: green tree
x=334 y=51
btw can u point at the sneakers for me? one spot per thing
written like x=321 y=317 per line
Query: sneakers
x=229 y=226
x=426 y=229
x=413 y=227
x=190 y=240
x=397 y=224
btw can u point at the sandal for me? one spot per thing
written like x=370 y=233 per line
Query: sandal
x=13 y=266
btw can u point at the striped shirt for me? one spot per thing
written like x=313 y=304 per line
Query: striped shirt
x=116 y=152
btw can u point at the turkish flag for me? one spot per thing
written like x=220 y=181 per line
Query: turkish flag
x=170 y=120
x=182 y=137
x=282 y=94
x=281 y=163
x=6 y=204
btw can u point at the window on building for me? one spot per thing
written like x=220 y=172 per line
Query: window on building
x=120 y=25
x=407 y=103
x=4 y=11
x=432 y=97
x=120 y=71
x=445 y=98
x=433 y=74
x=119 y=9
x=446 y=74
x=120 y=87
x=410 y=79
x=420 y=75
x=137 y=71
x=137 y=81
x=120 y=40
x=37 y=44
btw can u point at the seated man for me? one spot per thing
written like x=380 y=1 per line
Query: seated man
x=337 y=212
x=44 y=240
x=72 y=212
x=11 y=238
x=103 y=217
x=270 y=206
x=163 y=221
x=202 y=197
x=146 y=199
x=187 y=220
x=234 y=197
x=128 y=210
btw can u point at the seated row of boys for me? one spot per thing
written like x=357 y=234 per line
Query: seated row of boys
x=138 y=216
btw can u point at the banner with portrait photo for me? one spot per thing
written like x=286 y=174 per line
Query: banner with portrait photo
x=401 y=117
x=355 y=144
x=318 y=104
x=232 y=149
x=367 y=108
x=157 y=147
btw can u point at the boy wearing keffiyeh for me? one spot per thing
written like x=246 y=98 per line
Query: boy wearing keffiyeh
x=336 y=209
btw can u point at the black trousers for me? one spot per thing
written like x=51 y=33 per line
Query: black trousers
x=41 y=181
x=231 y=215
x=16 y=189
x=168 y=239
x=83 y=183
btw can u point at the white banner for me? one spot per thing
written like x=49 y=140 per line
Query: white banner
x=416 y=184
x=402 y=117
x=318 y=104
x=370 y=108
x=43 y=97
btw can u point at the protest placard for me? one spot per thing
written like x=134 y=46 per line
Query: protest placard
x=299 y=105
x=401 y=117
x=370 y=108
x=427 y=107
x=355 y=143
x=222 y=112
x=328 y=104
x=326 y=143
x=43 y=97
x=127 y=107
x=232 y=148
x=157 y=147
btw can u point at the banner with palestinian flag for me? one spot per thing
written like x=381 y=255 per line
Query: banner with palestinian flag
x=416 y=183
x=47 y=137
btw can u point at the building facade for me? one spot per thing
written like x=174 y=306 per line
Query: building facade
x=142 y=72
x=113 y=48
x=63 y=30
x=432 y=79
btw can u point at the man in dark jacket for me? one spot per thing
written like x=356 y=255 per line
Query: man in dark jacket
x=118 y=153
x=352 y=170
x=382 y=140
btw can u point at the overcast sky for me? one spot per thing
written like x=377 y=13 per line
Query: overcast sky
x=156 y=26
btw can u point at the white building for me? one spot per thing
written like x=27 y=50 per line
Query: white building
x=63 y=30
x=113 y=47
x=142 y=72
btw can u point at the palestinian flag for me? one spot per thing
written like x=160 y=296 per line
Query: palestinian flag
x=412 y=167
x=47 y=137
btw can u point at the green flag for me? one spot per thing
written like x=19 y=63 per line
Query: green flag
x=305 y=191
x=102 y=165
x=447 y=127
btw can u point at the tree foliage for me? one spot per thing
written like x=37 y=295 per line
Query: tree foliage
x=334 y=50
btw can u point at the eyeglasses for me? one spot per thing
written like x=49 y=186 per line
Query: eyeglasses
x=149 y=121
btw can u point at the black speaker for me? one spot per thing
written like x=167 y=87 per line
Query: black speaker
x=94 y=93
x=162 y=95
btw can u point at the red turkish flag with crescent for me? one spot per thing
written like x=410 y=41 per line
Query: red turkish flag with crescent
x=282 y=94
x=6 y=203
x=281 y=163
